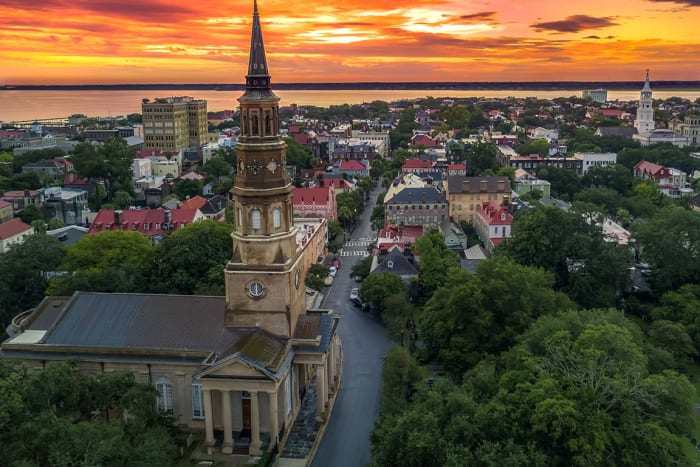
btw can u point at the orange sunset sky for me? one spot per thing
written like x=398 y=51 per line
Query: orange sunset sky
x=207 y=41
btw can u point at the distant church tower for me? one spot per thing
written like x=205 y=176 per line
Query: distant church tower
x=644 y=123
x=264 y=287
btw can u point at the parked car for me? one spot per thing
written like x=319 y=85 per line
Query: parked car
x=332 y=271
x=354 y=293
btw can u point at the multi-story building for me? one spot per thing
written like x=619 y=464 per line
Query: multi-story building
x=595 y=159
x=66 y=204
x=425 y=206
x=173 y=124
x=596 y=95
x=690 y=128
x=525 y=182
x=466 y=194
x=671 y=182
x=315 y=202
x=492 y=223
x=378 y=139
x=22 y=198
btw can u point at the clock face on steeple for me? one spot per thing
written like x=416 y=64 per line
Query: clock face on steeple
x=256 y=289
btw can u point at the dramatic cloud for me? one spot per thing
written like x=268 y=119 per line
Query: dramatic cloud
x=167 y=41
x=574 y=23
x=679 y=2
x=482 y=17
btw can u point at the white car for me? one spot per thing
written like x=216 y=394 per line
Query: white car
x=332 y=271
x=355 y=293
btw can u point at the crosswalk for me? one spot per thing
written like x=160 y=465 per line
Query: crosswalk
x=354 y=253
x=358 y=243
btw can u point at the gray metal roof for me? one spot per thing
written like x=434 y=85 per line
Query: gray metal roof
x=143 y=321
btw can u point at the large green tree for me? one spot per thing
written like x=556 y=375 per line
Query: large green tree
x=115 y=261
x=437 y=262
x=24 y=272
x=670 y=243
x=110 y=161
x=192 y=260
x=577 y=389
x=586 y=267
x=58 y=416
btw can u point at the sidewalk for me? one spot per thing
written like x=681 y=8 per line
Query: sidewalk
x=306 y=433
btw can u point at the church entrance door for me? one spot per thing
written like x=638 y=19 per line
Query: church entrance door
x=245 y=406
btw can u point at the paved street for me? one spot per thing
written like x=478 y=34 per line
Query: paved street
x=365 y=343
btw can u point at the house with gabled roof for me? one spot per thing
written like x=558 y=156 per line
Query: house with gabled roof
x=492 y=223
x=352 y=168
x=315 y=202
x=13 y=232
x=671 y=182
x=395 y=259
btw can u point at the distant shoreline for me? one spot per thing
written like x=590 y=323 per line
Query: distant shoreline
x=427 y=86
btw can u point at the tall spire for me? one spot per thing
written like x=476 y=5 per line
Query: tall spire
x=258 y=76
x=647 y=86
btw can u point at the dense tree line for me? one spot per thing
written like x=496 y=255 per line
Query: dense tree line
x=60 y=417
x=187 y=261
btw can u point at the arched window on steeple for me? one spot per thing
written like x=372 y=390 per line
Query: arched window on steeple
x=256 y=130
x=276 y=218
x=255 y=219
x=268 y=128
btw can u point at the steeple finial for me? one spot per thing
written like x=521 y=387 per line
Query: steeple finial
x=258 y=76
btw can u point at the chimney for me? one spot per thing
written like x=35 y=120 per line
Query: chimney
x=167 y=218
x=506 y=201
x=118 y=217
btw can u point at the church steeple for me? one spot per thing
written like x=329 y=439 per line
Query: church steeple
x=644 y=123
x=258 y=76
x=263 y=276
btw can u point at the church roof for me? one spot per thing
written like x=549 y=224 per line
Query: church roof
x=647 y=86
x=134 y=324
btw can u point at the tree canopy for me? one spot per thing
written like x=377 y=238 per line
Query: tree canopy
x=58 y=416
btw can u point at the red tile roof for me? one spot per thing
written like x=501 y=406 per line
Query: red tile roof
x=194 y=203
x=495 y=214
x=301 y=138
x=146 y=221
x=311 y=195
x=19 y=193
x=417 y=164
x=191 y=176
x=352 y=164
x=4 y=204
x=13 y=228
x=150 y=152
x=457 y=167
x=651 y=169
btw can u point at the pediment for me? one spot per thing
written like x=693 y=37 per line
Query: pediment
x=232 y=367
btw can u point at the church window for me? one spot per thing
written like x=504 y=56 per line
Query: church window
x=240 y=217
x=276 y=218
x=197 y=399
x=255 y=218
x=256 y=130
x=164 y=396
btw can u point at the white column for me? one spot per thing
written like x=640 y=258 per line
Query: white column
x=254 y=425
x=208 y=418
x=274 y=418
x=320 y=392
x=227 y=447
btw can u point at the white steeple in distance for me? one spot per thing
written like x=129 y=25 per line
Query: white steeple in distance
x=644 y=123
